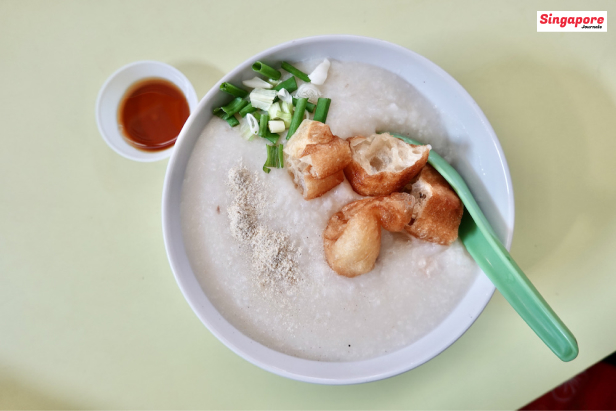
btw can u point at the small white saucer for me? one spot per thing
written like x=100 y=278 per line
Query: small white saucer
x=112 y=92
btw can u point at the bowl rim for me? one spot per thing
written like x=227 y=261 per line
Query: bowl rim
x=172 y=257
x=148 y=156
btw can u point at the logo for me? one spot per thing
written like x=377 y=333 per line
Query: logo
x=586 y=21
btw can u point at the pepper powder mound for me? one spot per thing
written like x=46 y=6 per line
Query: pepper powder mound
x=274 y=259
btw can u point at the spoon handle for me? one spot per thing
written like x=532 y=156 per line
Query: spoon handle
x=517 y=289
x=479 y=238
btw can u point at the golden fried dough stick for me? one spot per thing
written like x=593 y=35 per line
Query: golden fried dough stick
x=438 y=209
x=352 y=238
x=382 y=164
x=315 y=158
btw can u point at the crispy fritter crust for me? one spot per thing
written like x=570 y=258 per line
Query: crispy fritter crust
x=315 y=187
x=438 y=209
x=328 y=158
x=316 y=158
x=352 y=238
x=381 y=183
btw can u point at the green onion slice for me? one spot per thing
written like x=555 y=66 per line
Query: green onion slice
x=320 y=114
x=263 y=125
x=266 y=70
x=231 y=120
x=272 y=137
x=233 y=90
x=220 y=113
x=272 y=156
x=264 y=131
x=280 y=156
x=296 y=72
x=298 y=116
x=309 y=106
x=247 y=109
x=289 y=84
x=275 y=157
x=236 y=105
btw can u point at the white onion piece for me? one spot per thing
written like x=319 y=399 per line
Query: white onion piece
x=245 y=130
x=285 y=96
x=319 y=74
x=309 y=91
x=276 y=126
x=257 y=82
x=261 y=98
x=273 y=110
x=252 y=123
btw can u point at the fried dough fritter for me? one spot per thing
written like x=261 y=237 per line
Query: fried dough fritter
x=382 y=164
x=438 y=209
x=352 y=238
x=316 y=158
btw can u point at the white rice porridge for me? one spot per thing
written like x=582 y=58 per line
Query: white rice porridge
x=321 y=315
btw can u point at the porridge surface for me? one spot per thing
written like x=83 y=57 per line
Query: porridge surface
x=312 y=312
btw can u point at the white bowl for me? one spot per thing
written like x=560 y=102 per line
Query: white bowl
x=483 y=166
x=111 y=94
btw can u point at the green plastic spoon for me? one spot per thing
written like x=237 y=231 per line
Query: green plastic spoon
x=479 y=239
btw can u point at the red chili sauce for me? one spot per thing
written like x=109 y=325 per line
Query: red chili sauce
x=152 y=113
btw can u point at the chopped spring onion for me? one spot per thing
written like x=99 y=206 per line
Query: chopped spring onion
x=276 y=126
x=273 y=110
x=275 y=157
x=263 y=125
x=310 y=91
x=285 y=96
x=276 y=112
x=229 y=119
x=261 y=98
x=266 y=70
x=286 y=107
x=257 y=115
x=257 y=82
x=233 y=121
x=233 y=90
x=285 y=117
x=296 y=72
x=247 y=109
x=289 y=84
x=272 y=157
x=319 y=74
x=298 y=116
x=280 y=156
x=253 y=124
x=234 y=106
x=263 y=130
x=272 y=137
x=274 y=82
x=309 y=106
x=320 y=114
x=218 y=112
